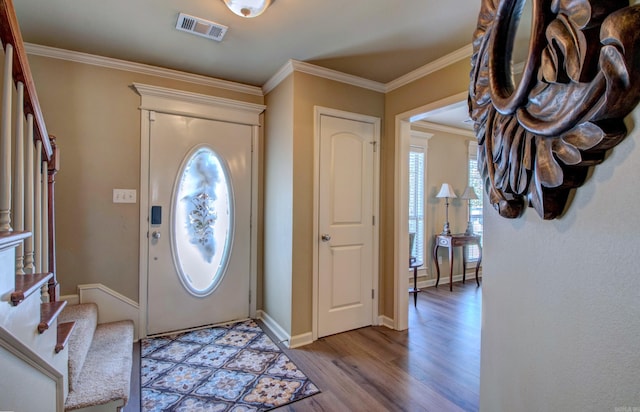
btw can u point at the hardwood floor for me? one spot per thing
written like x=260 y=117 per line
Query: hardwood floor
x=434 y=366
x=133 y=405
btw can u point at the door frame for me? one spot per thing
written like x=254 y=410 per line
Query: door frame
x=181 y=103
x=375 y=121
x=401 y=209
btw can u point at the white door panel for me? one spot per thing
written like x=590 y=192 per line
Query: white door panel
x=204 y=228
x=345 y=256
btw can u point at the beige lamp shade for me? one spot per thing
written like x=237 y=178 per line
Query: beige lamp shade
x=469 y=193
x=446 y=191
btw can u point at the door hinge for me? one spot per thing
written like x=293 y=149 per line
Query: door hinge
x=373 y=293
x=373 y=220
x=375 y=146
x=152 y=116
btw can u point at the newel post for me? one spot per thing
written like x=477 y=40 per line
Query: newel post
x=53 y=167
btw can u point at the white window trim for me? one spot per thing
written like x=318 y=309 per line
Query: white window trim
x=421 y=139
x=473 y=150
x=473 y=155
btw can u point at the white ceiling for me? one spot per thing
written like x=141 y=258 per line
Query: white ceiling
x=378 y=40
x=455 y=116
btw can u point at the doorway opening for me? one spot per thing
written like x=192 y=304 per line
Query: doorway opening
x=431 y=117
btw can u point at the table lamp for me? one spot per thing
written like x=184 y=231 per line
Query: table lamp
x=447 y=192
x=469 y=194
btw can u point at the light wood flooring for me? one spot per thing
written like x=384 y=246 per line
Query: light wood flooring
x=433 y=366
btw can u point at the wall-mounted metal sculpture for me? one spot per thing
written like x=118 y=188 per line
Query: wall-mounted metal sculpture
x=581 y=77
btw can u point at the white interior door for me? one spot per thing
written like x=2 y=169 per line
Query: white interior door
x=199 y=222
x=346 y=227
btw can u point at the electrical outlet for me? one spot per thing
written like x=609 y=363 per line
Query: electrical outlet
x=124 y=196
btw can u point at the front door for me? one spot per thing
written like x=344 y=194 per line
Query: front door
x=346 y=224
x=199 y=222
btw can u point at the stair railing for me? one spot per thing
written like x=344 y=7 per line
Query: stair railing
x=28 y=160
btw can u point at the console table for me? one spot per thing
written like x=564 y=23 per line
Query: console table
x=451 y=241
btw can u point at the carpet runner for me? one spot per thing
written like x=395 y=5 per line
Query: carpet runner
x=234 y=367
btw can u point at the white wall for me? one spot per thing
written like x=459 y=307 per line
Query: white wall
x=561 y=299
x=39 y=394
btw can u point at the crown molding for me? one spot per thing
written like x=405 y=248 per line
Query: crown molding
x=421 y=135
x=298 y=66
x=295 y=65
x=338 y=76
x=278 y=77
x=446 y=129
x=444 y=61
x=272 y=83
x=78 y=57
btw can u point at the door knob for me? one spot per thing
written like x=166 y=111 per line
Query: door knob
x=326 y=237
x=155 y=235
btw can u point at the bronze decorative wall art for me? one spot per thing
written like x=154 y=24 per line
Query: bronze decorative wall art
x=581 y=77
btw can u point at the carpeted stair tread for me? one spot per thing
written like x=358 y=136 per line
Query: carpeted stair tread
x=85 y=316
x=106 y=373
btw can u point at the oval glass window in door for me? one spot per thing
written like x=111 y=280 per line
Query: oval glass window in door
x=202 y=221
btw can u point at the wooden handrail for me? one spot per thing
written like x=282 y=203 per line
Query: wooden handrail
x=10 y=34
x=45 y=145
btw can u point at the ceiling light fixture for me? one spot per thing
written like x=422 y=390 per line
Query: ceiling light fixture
x=247 y=8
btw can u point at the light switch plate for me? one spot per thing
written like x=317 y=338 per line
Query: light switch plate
x=124 y=196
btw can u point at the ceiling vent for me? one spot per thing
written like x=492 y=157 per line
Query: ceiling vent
x=201 y=27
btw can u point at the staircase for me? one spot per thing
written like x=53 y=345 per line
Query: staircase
x=99 y=360
x=55 y=356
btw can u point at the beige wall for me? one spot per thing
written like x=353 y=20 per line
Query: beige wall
x=94 y=113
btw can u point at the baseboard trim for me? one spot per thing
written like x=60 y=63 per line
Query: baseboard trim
x=291 y=342
x=444 y=280
x=386 y=321
x=112 y=306
x=274 y=327
x=70 y=299
x=301 y=340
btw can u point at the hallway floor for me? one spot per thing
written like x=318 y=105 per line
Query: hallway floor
x=432 y=366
